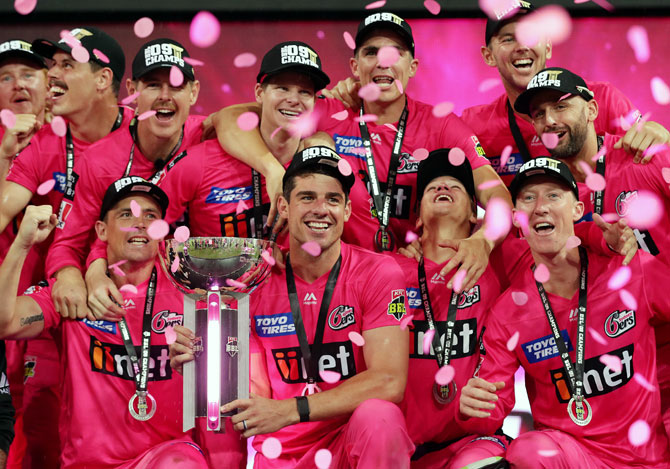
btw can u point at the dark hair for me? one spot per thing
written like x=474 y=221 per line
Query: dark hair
x=116 y=84
x=289 y=184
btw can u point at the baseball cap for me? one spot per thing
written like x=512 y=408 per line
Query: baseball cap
x=503 y=17
x=385 y=20
x=129 y=185
x=161 y=53
x=319 y=157
x=553 y=78
x=543 y=166
x=91 y=39
x=293 y=55
x=20 y=49
x=437 y=164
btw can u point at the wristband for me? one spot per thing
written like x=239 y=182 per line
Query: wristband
x=303 y=408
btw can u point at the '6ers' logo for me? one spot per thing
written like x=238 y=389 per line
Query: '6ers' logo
x=341 y=317
x=619 y=322
x=407 y=164
x=164 y=319
x=622 y=201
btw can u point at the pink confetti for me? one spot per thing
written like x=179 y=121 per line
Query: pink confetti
x=330 y=377
x=551 y=23
x=666 y=174
x=611 y=361
x=628 y=299
x=550 y=140
x=175 y=265
x=158 y=229
x=366 y=118
x=513 y=341
x=600 y=153
x=176 y=76
x=492 y=7
x=456 y=156
x=351 y=44
x=46 y=187
x=489 y=84
x=8 y=118
x=356 y=338
x=398 y=85
x=340 y=116
x=619 y=278
x=24 y=7
x=226 y=88
x=129 y=229
x=234 y=283
x=143 y=27
x=639 y=42
x=584 y=166
x=344 y=167
x=489 y=184
x=146 y=115
x=80 y=54
x=504 y=155
x=170 y=335
x=323 y=457
x=181 y=234
x=572 y=242
x=420 y=154
x=610 y=217
x=69 y=39
x=115 y=268
x=194 y=62
x=267 y=257
x=644 y=211
x=445 y=375
x=370 y=92
x=541 y=273
x=387 y=56
x=241 y=207
x=459 y=276
x=428 y=340
x=58 y=126
x=130 y=99
x=373 y=5
x=642 y=381
x=246 y=59
x=639 y=433
x=565 y=96
x=443 y=109
x=204 y=29
x=320 y=34
x=117 y=264
x=391 y=126
x=660 y=91
x=519 y=298
x=547 y=453
x=656 y=148
x=521 y=218
x=410 y=237
x=595 y=182
x=304 y=125
x=596 y=336
x=247 y=121
x=275 y=132
x=101 y=56
x=404 y=322
x=432 y=6
x=135 y=208
x=604 y=4
x=128 y=288
x=312 y=248
x=498 y=219
x=271 y=448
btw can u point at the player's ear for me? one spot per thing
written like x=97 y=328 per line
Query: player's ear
x=347 y=209
x=282 y=207
x=101 y=230
x=578 y=211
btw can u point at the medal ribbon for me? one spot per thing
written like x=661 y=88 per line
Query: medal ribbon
x=133 y=133
x=599 y=196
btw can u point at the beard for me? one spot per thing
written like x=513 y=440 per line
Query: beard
x=576 y=138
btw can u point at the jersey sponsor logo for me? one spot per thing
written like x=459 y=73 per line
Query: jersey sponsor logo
x=463 y=340
x=349 y=145
x=407 y=164
x=227 y=195
x=274 y=325
x=100 y=325
x=598 y=378
x=310 y=299
x=61 y=181
x=545 y=347
x=413 y=297
x=437 y=278
x=465 y=299
x=63 y=213
x=335 y=356
x=512 y=165
x=243 y=224
x=165 y=318
x=128 y=303
x=468 y=298
x=622 y=201
x=478 y=146
x=573 y=314
x=29 y=365
x=396 y=307
x=112 y=359
x=619 y=322
x=165 y=52
x=4 y=384
x=35 y=288
x=341 y=317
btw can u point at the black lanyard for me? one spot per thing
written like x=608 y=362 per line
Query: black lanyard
x=312 y=364
x=443 y=356
x=599 y=196
x=576 y=373
x=133 y=134
x=516 y=133
x=258 y=203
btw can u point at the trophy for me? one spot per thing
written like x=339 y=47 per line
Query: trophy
x=209 y=271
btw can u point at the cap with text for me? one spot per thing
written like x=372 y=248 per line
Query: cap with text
x=543 y=166
x=558 y=79
x=323 y=158
x=436 y=165
x=161 y=53
x=510 y=11
x=297 y=56
x=385 y=20
x=131 y=185
x=18 y=48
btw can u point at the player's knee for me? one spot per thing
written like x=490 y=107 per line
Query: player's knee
x=377 y=415
x=179 y=456
x=528 y=449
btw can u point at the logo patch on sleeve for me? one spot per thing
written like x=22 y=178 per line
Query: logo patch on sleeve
x=396 y=307
x=274 y=325
x=544 y=348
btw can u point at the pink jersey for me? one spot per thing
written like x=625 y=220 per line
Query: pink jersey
x=616 y=398
x=491 y=124
x=97 y=429
x=369 y=294
x=100 y=166
x=424 y=131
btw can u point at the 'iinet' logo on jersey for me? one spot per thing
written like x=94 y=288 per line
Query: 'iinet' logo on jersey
x=463 y=339
x=112 y=359
x=335 y=356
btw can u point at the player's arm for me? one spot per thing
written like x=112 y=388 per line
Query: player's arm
x=15 y=197
x=346 y=91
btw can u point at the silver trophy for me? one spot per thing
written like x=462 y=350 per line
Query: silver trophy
x=210 y=272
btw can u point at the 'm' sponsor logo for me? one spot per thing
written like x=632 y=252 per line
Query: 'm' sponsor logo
x=545 y=347
x=274 y=325
x=335 y=356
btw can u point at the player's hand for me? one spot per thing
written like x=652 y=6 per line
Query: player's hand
x=17 y=138
x=104 y=299
x=37 y=223
x=618 y=236
x=642 y=136
x=346 y=91
x=478 y=397
x=69 y=294
x=181 y=350
x=273 y=185
x=413 y=250
x=472 y=255
x=208 y=129
x=262 y=415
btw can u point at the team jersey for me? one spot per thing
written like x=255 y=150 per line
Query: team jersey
x=490 y=123
x=369 y=294
x=424 y=131
x=96 y=427
x=613 y=328
x=93 y=178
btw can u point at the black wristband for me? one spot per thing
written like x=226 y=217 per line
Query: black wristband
x=303 y=408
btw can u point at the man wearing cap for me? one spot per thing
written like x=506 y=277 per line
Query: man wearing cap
x=329 y=389
x=560 y=103
x=112 y=416
x=585 y=348
x=148 y=146
x=498 y=126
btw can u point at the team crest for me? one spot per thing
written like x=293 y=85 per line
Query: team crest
x=396 y=307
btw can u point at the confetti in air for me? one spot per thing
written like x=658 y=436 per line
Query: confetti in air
x=267 y=257
x=519 y=298
x=135 y=208
x=271 y=448
x=639 y=433
x=330 y=377
x=432 y=6
x=572 y=242
x=205 y=29
x=550 y=140
x=323 y=457
x=181 y=234
x=246 y=59
x=312 y=248
x=443 y=109
x=612 y=362
x=247 y=121
x=550 y=23
x=456 y=156
x=176 y=76
x=387 y=56
x=370 y=92
x=619 y=278
x=513 y=341
x=498 y=219
x=340 y=116
x=344 y=167
x=445 y=375
x=639 y=42
x=128 y=288
x=8 y=118
x=143 y=27
x=170 y=335
x=158 y=229
x=25 y=7
x=356 y=338
x=58 y=126
x=373 y=5
x=349 y=40
x=146 y=115
x=541 y=273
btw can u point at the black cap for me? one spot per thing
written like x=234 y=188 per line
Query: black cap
x=129 y=185
x=20 y=49
x=90 y=38
x=437 y=164
x=503 y=17
x=553 y=78
x=321 y=157
x=293 y=55
x=161 y=53
x=543 y=166
x=385 y=20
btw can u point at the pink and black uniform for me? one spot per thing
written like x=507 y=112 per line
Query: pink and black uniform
x=369 y=294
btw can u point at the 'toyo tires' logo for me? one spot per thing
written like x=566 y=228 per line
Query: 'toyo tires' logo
x=619 y=322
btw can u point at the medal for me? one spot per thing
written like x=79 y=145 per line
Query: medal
x=444 y=394
x=384 y=240
x=583 y=413
x=141 y=413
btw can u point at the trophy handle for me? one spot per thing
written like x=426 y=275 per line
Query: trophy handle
x=189 y=371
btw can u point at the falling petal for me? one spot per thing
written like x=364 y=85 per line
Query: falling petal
x=8 y=118
x=504 y=155
x=275 y=132
x=550 y=140
x=312 y=248
x=459 y=276
x=489 y=184
x=271 y=448
x=660 y=91
x=351 y=44
x=46 y=187
x=610 y=217
x=432 y=6
x=143 y=27
x=410 y=237
x=128 y=229
x=175 y=265
x=267 y=257
x=585 y=167
x=445 y=375
x=493 y=8
x=80 y=54
x=639 y=42
x=541 y=273
x=604 y=4
x=246 y=59
x=398 y=85
x=330 y=377
x=181 y=234
x=323 y=457
x=404 y=322
x=304 y=125
x=176 y=76
x=340 y=116
x=547 y=453
x=639 y=433
x=513 y=341
x=628 y=299
x=369 y=92
x=653 y=149
x=344 y=167
x=596 y=336
x=522 y=220
x=612 y=362
x=666 y=174
x=391 y=126
x=247 y=120
x=226 y=88
x=135 y=208
x=356 y=338
x=24 y=7
x=366 y=118
x=572 y=242
x=128 y=287
x=600 y=153
x=420 y=154
x=241 y=207
x=146 y=115
x=377 y=4
x=595 y=182
x=456 y=156
x=428 y=340
x=565 y=96
x=489 y=84
x=498 y=219
x=234 y=283
x=205 y=29
x=642 y=381
x=158 y=229
x=443 y=109
x=58 y=126
x=320 y=34
x=619 y=278
x=170 y=335
x=130 y=99
x=519 y=298
x=387 y=56
x=644 y=211
x=551 y=23
x=193 y=62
